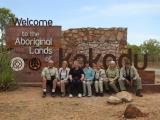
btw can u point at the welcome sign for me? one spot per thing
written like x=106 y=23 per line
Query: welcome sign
x=35 y=45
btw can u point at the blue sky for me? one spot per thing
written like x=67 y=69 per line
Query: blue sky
x=141 y=17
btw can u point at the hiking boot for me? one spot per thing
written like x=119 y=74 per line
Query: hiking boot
x=96 y=94
x=138 y=93
x=101 y=94
x=53 y=94
x=44 y=94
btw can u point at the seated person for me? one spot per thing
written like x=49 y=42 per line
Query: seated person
x=112 y=74
x=88 y=80
x=76 y=77
x=128 y=75
x=63 y=77
x=100 y=76
x=50 y=76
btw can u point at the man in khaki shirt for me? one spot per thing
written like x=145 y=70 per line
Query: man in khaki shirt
x=50 y=76
x=128 y=76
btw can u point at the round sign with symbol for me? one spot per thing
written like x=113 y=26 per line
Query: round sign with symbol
x=17 y=64
x=34 y=63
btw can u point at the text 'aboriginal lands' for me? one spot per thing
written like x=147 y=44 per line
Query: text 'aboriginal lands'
x=39 y=40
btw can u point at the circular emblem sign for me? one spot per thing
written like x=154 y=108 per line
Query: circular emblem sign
x=34 y=63
x=17 y=64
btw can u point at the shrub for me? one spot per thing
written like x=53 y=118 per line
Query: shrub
x=7 y=77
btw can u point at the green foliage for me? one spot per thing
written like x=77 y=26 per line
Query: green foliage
x=6 y=18
x=151 y=47
x=7 y=77
x=135 y=49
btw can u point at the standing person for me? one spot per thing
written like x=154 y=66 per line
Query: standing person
x=88 y=80
x=63 y=77
x=100 y=76
x=112 y=74
x=128 y=75
x=50 y=76
x=76 y=76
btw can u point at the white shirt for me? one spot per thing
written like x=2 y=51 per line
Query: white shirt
x=63 y=73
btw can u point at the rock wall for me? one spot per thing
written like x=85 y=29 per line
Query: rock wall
x=101 y=40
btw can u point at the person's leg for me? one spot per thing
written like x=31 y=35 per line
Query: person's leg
x=54 y=87
x=63 y=89
x=101 y=87
x=79 y=87
x=106 y=84
x=122 y=84
x=113 y=85
x=138 y=87
x=72 y=86
x=44 y=83
x=84 y=88
x=96 y=86
x=89 y=83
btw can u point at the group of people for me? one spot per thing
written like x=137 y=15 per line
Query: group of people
x=82 y=81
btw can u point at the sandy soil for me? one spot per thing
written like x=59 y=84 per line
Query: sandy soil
x=27 y=104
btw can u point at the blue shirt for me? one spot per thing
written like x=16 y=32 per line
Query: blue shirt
x=89 y=73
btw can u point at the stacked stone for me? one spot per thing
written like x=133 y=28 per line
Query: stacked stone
x=101 y=40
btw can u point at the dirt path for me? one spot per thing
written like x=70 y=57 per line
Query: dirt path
x=27 y=104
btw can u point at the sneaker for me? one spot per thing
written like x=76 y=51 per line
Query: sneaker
x=84 y=95
x=79 y=95
x=44 y=94
x=70 y=95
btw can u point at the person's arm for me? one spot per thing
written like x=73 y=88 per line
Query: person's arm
x=102 y=75
x=117 y=74
x=59 y=72
x=122 y=78
x=67 y=77
x=82 y=75
x=135 y=73
x=57 y=75
x=70 y=74
x=121 y=74
x=93 y=74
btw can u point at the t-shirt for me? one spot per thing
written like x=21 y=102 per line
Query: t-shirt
x=89 y=73
x=76 y=73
